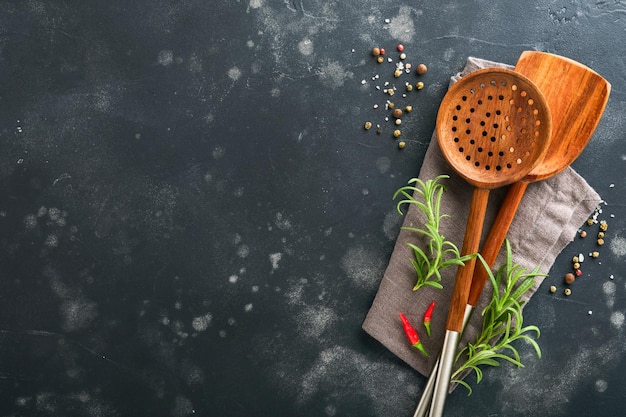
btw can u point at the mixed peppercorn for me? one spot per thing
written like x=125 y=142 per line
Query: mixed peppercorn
x=577 y=261
x=389 y=88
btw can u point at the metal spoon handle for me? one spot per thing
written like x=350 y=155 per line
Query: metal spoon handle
x=444 y=372
x=427 y=395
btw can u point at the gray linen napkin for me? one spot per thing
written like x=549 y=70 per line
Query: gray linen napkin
x=547 y=220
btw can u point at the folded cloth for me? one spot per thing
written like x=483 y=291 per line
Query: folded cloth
x=548 y=218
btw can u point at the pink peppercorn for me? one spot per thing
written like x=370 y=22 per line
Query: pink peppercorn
x=382 y=51
x=578 y=272
x=400 y=47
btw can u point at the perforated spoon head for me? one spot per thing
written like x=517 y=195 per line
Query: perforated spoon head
x=493 y=127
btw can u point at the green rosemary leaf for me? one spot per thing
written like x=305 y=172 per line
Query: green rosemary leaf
x=533 y=343
x=432 y=284
x=437 y=253
x=418 y=251
x=526 y=285
x=414 y=229
x=465 y=384
x=502 y=321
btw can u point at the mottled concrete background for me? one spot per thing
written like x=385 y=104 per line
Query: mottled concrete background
x=193 y=220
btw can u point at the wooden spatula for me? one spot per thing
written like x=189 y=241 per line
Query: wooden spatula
x=577 y=97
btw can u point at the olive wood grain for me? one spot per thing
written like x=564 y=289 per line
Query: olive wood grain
x=571 y=130
x=493 y=126
x=577 y=97
x=471 y=242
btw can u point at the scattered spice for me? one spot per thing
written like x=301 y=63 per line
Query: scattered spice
x=398 y=67
x=428 y=316
x=368 y=125
x=401 y=144
x=568 y=291
x=600 y=241
x=412 y=335
x=397 y=113
x=552 y=289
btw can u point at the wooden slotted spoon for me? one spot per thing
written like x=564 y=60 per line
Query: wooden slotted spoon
x=577 y=97
x=577 y=101
x=493 y=127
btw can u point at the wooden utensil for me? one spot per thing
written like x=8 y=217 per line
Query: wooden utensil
x=577 y=102
x=493 y=126
x=577 y=97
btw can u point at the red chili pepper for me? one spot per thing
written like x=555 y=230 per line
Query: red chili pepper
x=427 y=316
x=412 y=335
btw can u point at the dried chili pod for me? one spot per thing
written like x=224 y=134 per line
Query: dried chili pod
x=428 y=316
x=412 y=335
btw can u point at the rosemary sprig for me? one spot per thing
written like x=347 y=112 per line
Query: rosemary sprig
x=439 y=253
x=502 y=321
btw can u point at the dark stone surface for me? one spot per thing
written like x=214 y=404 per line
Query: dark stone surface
x=194 y=222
